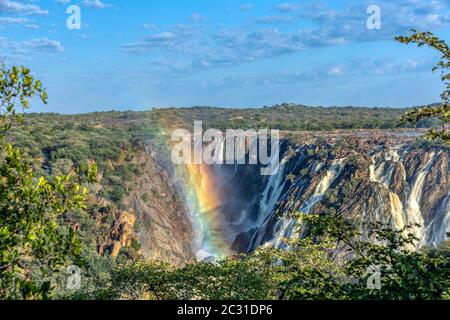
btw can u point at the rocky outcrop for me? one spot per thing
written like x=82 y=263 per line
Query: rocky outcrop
x=163 y=228
x=391 y=183
x=436 y=186
x=122 y=233
x=367 y=179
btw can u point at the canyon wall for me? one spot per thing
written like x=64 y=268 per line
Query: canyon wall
x=365 y=179
x=207 y=212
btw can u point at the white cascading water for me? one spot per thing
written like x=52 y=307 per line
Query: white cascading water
x=219 y=153
x=440 y=226
x=269 y=198
x=287 y=228
x=413 y=211
x=381 y=171
x=377 y=170
x=219 y=158
x=397 y=210
x=387 y=169
x=266 y=218
x=409 y=212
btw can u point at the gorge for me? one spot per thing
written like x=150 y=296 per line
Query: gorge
x=145 y=205
x=230 y=209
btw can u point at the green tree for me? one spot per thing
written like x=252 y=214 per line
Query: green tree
x=329 y=260
x=345 y=256
x=34 y=242
x=405 y=273
x=441 y=112
x=237 y=278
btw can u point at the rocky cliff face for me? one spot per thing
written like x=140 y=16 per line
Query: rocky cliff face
x=368 y=179
x=394 y=184
x=364 y=178
x=122 y=233
x=163 y=228
x=154 y=221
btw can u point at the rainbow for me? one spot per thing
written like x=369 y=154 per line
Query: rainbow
x=203 y=202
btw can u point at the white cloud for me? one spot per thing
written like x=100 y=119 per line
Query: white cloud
x=198 y=47
x=246 y=6
x=9 y=6
x=336 y=70
x=44 y=45
x=14 y=50
x=286 y=7
x=275 y=19
x=196 y=17
x=150 y=26
x=349 y=69
x=13 y=21
x=32 y=26
x=96 y=4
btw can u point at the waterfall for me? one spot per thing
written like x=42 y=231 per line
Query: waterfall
x=288 y=224
x=403 y=197
x=264 y=219
x=413 y=211
x=219 y=153
x=409 y=212
x=381 y=170
x=397 y=210
x=269 y=198
x=440 y=226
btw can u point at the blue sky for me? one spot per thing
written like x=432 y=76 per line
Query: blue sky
x=135 y=55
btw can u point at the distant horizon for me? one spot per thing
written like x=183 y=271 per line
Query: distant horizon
x=31 y=111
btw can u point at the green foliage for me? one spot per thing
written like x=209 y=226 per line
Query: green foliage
x=329 y=260
x=17 y=87
x=405 y=273
x=236 y=279
x=286 y=116
x=442 y=111
x=33 y=242
x=64 y=144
